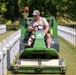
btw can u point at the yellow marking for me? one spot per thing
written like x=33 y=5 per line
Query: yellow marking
x=51 y=31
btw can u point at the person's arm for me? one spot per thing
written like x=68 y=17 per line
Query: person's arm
x=31 y=28
x=46 y=24
x=46 y=30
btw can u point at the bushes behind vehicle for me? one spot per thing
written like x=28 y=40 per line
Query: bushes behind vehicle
x=12 y=26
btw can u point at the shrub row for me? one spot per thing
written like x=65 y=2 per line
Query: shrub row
x=12 y=27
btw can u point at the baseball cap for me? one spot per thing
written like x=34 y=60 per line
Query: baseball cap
x=36 y=12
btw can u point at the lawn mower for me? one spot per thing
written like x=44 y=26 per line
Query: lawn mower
x=37 y=58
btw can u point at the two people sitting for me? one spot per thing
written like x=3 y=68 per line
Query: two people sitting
x=42 y=24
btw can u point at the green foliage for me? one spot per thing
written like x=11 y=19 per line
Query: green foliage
x=12 y=27
x=3 y=8
x=8 y=22
x=66 y=7
x=13 y=9
x=2 y=20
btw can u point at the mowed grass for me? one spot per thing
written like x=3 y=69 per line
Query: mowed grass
x=5 y=35
x=67 y=52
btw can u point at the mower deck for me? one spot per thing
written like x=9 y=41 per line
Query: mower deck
x=40 y=66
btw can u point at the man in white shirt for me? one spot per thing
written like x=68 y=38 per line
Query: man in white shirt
x=38 y=23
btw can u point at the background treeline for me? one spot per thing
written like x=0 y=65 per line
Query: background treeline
x=13 y=9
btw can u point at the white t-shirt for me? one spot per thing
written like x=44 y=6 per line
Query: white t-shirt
x=41 y=23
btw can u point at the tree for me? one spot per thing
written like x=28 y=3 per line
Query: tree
x=3 y=8
x=12 y=12
x=12 y=9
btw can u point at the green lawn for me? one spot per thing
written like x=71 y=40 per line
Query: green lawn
x=4 y=35
x=67 y=52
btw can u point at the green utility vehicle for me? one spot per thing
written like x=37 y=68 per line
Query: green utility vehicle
x=38 y=58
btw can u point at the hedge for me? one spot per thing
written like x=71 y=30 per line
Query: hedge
x=12 y=27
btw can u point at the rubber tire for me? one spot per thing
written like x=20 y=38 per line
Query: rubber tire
x=63 y=71
x=15 y=71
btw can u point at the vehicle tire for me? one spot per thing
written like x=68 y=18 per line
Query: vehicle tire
x=63 y=71
x=15 y=71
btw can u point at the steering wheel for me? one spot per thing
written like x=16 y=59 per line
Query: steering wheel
x=39 y=27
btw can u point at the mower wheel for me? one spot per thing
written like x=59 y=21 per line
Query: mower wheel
x=63 y=71
x=15 y=71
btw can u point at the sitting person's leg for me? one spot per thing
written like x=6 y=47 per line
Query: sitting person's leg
x=48 y=40
x=30 y=40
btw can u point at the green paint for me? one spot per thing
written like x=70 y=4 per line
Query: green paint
x=39 y=41
x=40 y=69
x=23 y=28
